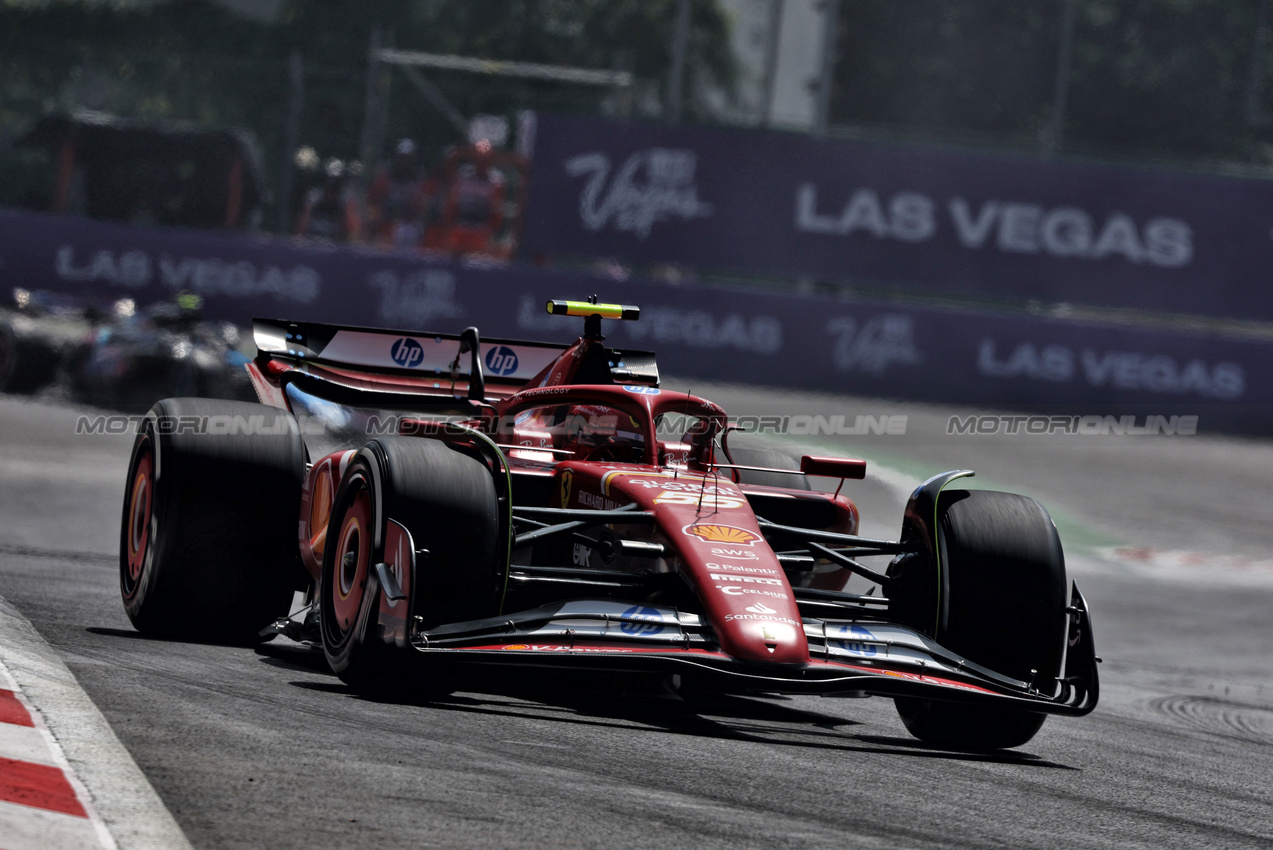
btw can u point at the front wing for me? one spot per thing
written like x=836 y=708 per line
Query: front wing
x=848 y=658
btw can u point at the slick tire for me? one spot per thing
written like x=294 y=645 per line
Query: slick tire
x=208 y=546
x=1003 y=607
x=446 y=499
x=773 y=460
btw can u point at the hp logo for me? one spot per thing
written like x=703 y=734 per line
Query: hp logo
x=407 y=353
x=501 y=360
x=857 y=642
x=653 y=621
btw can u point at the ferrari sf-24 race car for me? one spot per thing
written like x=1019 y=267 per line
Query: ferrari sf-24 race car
x=537 y=504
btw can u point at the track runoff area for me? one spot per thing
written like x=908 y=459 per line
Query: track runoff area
x=162 y=742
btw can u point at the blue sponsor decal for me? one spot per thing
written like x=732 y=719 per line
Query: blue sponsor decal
x=501 y=360
x=639 y=390
x=855 y=645
x=407 y=353
x=652 y=621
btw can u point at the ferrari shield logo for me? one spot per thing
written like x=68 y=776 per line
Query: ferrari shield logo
x=567 y=478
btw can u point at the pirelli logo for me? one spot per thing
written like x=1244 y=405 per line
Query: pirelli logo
x=745 y=579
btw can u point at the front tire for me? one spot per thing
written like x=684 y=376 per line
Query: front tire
x=208 y=546
x=1001 y=604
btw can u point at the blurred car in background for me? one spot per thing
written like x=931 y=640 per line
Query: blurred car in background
x=113 y=354
x=39 y=332
x=164 y=349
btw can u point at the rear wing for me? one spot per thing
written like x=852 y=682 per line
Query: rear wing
x=414 y=354
x=422 y=362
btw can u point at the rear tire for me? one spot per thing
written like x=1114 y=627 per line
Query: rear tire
x=208 y=546
x=1002 y=606
x=447 y=500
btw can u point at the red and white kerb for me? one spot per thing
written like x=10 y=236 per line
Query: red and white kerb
x=42 y=804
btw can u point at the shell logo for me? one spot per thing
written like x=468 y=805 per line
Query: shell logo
x=517 y=646
x=721 y=534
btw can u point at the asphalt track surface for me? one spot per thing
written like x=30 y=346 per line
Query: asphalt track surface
x=1168 y=537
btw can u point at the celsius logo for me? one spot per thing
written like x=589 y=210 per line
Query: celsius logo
x=407 y=353
x=651 y=621
x=501 y=360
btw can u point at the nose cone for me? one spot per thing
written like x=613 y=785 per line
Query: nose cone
x=742 y=587
x=722 y=553
x=770 y=637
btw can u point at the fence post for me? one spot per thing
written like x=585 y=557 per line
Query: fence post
x=1055 y=135
x=830 y=37
x=295 y=102
x=680 y=46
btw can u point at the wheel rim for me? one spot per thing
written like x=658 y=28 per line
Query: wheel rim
x=140 y=511
x=352 y=560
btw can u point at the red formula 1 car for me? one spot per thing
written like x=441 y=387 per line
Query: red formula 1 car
x=430 y=502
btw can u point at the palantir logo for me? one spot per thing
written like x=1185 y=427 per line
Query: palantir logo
x=501 y=360
x=407 y=353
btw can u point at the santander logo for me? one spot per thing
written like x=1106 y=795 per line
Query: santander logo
x=760 y=608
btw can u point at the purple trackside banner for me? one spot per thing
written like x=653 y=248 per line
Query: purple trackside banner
x=937 y=220
x=862 y=348
x=238 y=276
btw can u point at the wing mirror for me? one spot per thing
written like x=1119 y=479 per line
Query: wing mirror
x=833 y=467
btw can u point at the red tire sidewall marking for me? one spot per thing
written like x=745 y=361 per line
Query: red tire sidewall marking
x=346 y=587
x=140 y=516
